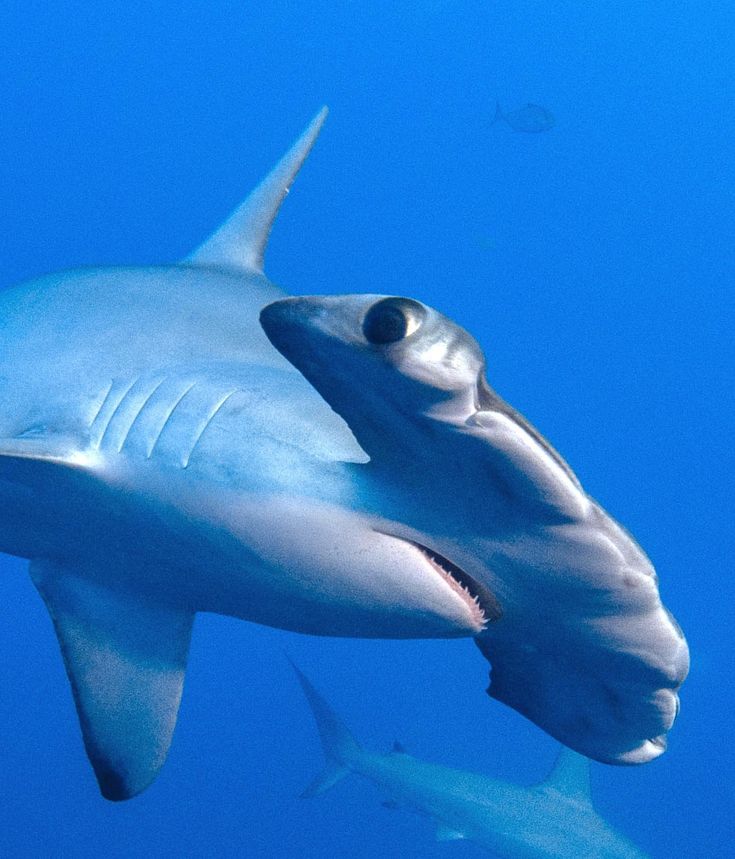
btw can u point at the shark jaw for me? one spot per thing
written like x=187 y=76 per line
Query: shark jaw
x=480 y=601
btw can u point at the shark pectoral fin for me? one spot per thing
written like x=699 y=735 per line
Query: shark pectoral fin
x=446 y=833
x=126 y=659
x=45 y=470
x=25 y=456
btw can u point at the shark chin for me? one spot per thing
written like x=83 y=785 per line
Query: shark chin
x=481 y=603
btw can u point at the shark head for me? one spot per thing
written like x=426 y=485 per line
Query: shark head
x=387 y=364
x=411 y=385
x=392 y=366
x=371 y=355
x=579 y=640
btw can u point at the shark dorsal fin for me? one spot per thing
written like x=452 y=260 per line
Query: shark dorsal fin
x=240 y=242
x=570 y=775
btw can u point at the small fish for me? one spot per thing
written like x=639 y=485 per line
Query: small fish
x=531 y=118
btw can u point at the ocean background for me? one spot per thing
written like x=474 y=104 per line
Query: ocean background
x=593 y=262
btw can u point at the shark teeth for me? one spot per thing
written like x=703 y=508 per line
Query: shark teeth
x=481 y=601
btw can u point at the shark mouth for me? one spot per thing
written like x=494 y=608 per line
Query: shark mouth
x=481 y=602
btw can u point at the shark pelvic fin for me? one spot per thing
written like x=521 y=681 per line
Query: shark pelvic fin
x=126 y=659
x=241 y=241
x=570 y=775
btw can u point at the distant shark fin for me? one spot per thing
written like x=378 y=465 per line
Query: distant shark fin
x=398 y=748
x=326 y=779
x=339 y=746
x=241 y=241
x=446 y=833
x=126 y=659
x=570 y=775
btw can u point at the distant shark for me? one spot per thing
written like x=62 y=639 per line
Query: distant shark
x=551 y=820
x=159 y=457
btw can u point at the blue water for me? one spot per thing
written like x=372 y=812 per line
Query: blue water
x=594 y=263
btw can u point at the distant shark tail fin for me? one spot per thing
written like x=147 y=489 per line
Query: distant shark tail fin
x=499 y=115
x=340 y=747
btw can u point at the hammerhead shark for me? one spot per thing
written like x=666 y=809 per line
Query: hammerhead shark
x=551 y=820
x=184 y=438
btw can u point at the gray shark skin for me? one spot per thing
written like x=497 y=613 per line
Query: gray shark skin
x=159 y=457
x=552 y=820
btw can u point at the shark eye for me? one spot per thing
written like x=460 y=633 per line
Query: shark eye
x=392 y=319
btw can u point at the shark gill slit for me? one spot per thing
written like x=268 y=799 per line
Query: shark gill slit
x=167 y=417
x=138 y=412
x=107 y=410
x=102 y=403
x=205 y=423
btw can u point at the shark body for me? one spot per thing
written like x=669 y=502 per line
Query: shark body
x=551 y=820
x=159 y=457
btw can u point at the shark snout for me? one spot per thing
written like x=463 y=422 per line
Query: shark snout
x=287 y=313
x=319 y=334
x=317 y=319
x=288 y=317
x=294 y=327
